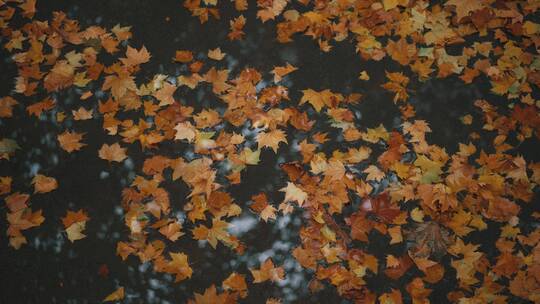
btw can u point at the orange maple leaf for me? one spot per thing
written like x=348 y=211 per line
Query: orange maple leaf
x=112 y=152
x=268 y=272
x=70 y=141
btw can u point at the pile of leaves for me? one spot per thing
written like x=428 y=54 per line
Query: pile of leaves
x=389 y=184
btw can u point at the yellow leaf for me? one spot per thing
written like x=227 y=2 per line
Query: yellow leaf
x=212 y=235
x=216 y=54
x=363 y=76
x=417 y=215
x=271 y=139
x=70 y=141
x=112 y=153
x=374 y=173
x=389 y=4
x=82 y=114
x=269 y=212
x=185 y=130
x=293 y=193
x=279 y=72
x=328 y=233
x=395 y=234
x=268 y=272
x=74 y=232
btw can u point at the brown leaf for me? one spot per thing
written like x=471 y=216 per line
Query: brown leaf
x=70 y=141
x=44 y=184
x=112 y=152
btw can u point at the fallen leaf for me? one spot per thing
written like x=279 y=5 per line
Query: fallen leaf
x=112 y=152
x=216 y=54
x=70 y=141
x=268 y=272
x=44 y=184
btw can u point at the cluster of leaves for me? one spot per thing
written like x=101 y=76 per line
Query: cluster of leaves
x=384 y=183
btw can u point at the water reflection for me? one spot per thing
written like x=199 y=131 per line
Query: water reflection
x=53 y=270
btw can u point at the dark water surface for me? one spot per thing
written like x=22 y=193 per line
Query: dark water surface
x=50 y=269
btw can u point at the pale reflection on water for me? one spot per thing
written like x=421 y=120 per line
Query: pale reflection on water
x=50 y=269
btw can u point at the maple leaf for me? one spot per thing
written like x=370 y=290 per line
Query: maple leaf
x=210 y=296
x=165 y=94
x=305 y=257
x=465 y=7
x=218 y=79
x=401 y=51
x=271 y=139
x=74 y=217
x=279 y=72
x=117 y=295
x=82 y=114
x=17 y=201
x=75 y=223
x=332 y=254
x=109 y=43
x=6 y=106
x=212 y=235
x=271 y=9
x=135 y=57
x=293 y=193
x=334 y=170
x=37 y=108
x=429 y=239
x=431 y=169
x=376 y=134
x=122 y=32
x=119 y=84
x=44 y=184
x=398 y=85
x=112 y=152
x=267 y=272
x=20 y=217
x=236 y=26
x=185 y=130
x=317 y=99
x=382 y=207
x=519 y=173
x=70 y=141
x=374 y=173
x=179 y=265
x=172 y=231
x=216 y=54
x=236 y=282
x=401 y=265
x=269 y=212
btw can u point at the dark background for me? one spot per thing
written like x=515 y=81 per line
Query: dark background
x=50 y=269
